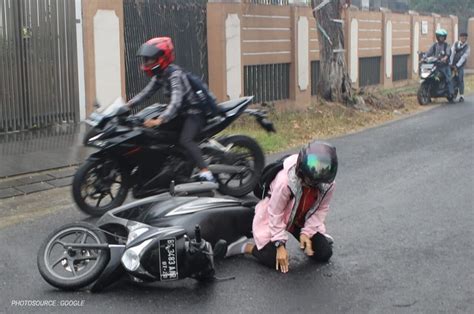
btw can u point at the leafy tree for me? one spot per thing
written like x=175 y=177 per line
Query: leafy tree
x=461 y=8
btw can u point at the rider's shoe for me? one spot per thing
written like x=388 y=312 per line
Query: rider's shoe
x=330 y=239
x=206 y=176
x=238 y=247
x=461 y=99
x=220 y=249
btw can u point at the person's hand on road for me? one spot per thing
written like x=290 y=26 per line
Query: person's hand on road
x=306 y=244
x=282 y=259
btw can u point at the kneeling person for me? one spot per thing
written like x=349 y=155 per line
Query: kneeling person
x=298 y=203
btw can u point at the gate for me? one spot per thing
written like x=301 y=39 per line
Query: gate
x=182 y=20
x=38 y=64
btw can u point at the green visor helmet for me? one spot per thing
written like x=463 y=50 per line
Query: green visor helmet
x=317 y=163
x=441 y=33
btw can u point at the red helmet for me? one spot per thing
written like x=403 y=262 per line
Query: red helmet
x=157 y=54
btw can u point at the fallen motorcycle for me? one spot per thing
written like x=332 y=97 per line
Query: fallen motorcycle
x=145 y=160
x=160 y=238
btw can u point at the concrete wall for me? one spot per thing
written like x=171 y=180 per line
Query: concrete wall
x=277 y=34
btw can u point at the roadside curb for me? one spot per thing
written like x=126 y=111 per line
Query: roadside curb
x=36 y=182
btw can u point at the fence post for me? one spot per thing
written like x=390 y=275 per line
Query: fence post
x=300 y=89
x=470 y=30
x=415 y=44
x=352 y=47
x=224 y=48
x=80 y=61
x=387 y=59
x=104 y=46
x=454 y=21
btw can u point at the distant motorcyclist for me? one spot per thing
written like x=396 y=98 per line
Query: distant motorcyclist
x=459 y=54
x=158 y=55
x=442 y=51
x=297 y=203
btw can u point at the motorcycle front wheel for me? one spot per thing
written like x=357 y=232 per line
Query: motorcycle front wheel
x=99 y=186
x=72 y=268
x=423 y=94
x=242 y=151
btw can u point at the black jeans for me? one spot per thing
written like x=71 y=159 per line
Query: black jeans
x=321 y=247
x=460 y=81
x=192 y=126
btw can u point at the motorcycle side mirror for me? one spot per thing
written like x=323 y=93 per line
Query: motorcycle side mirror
x=96 y=104
x=197 y=234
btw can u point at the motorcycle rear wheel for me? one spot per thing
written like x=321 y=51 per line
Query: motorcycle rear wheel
x=72 y=268
x=97 y=180
x=245 y=151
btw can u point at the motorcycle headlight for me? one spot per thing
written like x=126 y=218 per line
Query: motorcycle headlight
x=98 y=144
x=131 y=258
x=136 y=233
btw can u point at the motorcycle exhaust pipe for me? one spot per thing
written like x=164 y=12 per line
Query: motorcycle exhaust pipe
x=220 y=168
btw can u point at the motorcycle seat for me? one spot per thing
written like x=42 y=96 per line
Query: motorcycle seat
x=231 y=104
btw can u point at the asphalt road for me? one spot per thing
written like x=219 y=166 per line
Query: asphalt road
x=402 y=219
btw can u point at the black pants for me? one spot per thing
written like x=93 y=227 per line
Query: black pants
x=192 y=126
x=321 y=247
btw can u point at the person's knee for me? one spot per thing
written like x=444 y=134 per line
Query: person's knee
x=322 y=248
x=266 y=256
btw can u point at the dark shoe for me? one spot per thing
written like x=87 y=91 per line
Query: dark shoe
x=461 y=99
x=220 y=249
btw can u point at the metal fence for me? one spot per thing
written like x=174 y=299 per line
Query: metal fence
x=38 y=64
x=267 y=82
x=182 y=20
x=369 y=71
x=315 y=70
x=400 y=67
x=268 y=2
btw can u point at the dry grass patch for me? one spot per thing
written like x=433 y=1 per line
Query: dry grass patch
x=323 y=120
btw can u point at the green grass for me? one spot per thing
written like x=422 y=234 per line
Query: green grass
x=294 y=128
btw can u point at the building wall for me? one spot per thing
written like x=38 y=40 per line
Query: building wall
x=470 y=27
x=276 y=34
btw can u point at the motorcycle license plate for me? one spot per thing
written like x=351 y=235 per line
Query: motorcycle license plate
x=168 y=260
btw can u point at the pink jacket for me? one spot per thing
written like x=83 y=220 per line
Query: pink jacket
x=273 y=215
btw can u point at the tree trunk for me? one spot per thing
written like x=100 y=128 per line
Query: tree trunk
x=334 y=82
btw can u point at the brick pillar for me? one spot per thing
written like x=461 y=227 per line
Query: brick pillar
x=387 y=57
x=470 y=28
x=224 y=57
x=300 y=88
x=104 y=51
x=415 y=45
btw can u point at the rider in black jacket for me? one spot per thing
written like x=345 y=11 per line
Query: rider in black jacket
x=442 y=51
x=158 y=56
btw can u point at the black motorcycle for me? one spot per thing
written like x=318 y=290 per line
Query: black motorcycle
x=146 y=160
x=161 y=238
x=433 y=82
